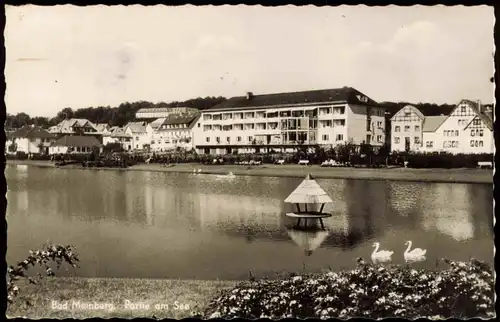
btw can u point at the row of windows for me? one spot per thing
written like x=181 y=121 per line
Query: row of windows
x=330 y=123
x=325 y=137
x=228 y=139
x=187 y=140
x=476 y=132
x=407 y=128
x=454 y=144
x=174 y=126
x=462 y=122
x=338 y=137
x=473 y=132
x=330 y=110
x=450 y=133
x=397 y=139
x=241 y=127
x=167 y=134
x=450 y=144
x=476 y=143
x=263 y=114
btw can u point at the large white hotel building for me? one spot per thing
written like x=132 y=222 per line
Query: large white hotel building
x=287 y=121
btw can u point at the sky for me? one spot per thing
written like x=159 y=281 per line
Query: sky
x=69 y=56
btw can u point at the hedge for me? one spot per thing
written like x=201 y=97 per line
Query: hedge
x=462 y=290
x=413 y=160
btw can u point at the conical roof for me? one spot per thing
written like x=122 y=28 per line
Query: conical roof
x=308 y=191
x=308 y=240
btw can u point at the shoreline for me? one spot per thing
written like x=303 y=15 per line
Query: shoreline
x=176 y=298
x=479 y=176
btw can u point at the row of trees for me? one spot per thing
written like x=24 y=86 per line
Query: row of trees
x=114 y=116
x=125 y=112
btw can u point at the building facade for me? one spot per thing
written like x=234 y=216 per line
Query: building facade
x=29 y=139
x=118 y=135
x=288 y=121
x=406 y=129
x=159 y=112
x=467 y=129
x=141 y=134
x=75 y=144
x=175 y=131
x=74 y=127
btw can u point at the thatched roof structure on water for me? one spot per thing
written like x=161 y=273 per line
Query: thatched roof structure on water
x=308 y=192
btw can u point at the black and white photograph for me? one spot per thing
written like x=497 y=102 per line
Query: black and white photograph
x=249 y=162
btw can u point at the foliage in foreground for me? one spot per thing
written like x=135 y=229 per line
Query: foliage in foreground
x=463 y=290
x=58 y=254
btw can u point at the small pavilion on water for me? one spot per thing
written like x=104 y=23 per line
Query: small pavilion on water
x=309 y=193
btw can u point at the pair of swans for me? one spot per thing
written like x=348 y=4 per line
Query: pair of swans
x=384 y=256
x=196 y=170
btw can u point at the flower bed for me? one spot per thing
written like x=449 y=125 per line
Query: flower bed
x=463 y=290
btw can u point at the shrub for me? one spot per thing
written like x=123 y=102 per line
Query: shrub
x=52 y=253
x=462 y=290
x=446 y=160
x=21 y=155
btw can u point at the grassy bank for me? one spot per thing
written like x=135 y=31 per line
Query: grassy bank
x=293 y=170
x=189 y=296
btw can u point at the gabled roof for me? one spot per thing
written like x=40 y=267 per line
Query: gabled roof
x=31 y=132
x=65 y=125
x=157 y=123
x=119 y=132
x=101 y=127
x=412 y=108
x=486 y=117
x=345 y=94
x=182 y=118
x=76 y=140
x=308 y=191
x=432 y=123
x=487 y=124
x=137 y=127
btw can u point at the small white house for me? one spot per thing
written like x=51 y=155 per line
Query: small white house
x=406 y=129
x=141 y=133
x=118 y=135
x=75 y=144
x=29 y=139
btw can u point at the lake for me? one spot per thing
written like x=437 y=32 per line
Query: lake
x=178 y=225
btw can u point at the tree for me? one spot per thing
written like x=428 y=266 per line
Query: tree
x=59 y=254
x=13 y=146
x=113 y=147
x=65 y=114
x=17 y=121
x=41 y=147
x=345 y=150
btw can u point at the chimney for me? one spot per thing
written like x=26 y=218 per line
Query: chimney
x=249 y=95
x=479 y=106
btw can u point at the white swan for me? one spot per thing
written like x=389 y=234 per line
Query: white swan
x=199 y=170
x=382 y=256
x=416 y=255
x=230 y=174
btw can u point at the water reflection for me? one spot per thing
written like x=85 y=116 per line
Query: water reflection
x=190 y=223
x=444 y=213
x=307 y=239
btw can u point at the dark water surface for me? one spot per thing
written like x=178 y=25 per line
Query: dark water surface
x=173 y=225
